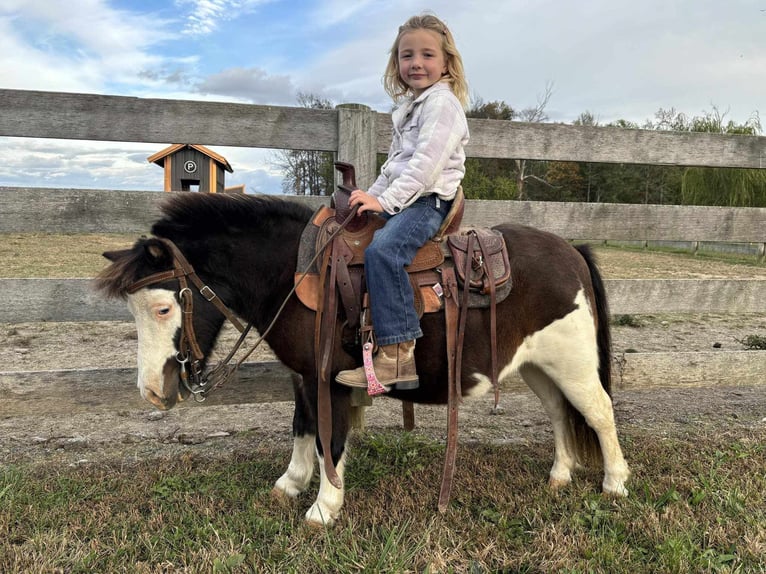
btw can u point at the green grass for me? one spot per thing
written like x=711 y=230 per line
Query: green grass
x=753 y=342
x=696 y=505
x=733 y=258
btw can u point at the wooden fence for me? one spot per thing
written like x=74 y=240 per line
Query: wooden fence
x=356 y=134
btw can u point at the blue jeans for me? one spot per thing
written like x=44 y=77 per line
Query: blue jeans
x=392 y=301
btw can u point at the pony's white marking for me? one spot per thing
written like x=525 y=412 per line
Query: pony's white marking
x=330 y=499
x=301 y=468
x=158 y=317
x=296 y=479
x=561 y=361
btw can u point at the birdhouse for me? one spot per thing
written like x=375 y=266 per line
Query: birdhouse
x=192 y=167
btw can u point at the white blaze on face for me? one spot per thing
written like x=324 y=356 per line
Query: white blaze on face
x=158 y=317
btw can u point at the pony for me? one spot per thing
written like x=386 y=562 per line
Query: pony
x=552 y=329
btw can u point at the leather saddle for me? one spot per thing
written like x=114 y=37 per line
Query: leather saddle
x=449 y=246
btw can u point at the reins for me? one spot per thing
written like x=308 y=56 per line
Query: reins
x=197 y=383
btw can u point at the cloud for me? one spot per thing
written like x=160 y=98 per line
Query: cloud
x=82 y=46
x=116 y=165
x=206 y=15
x=251 y=84
x=332 y=12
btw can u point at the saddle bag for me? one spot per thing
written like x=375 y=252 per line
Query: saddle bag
x=488 y=259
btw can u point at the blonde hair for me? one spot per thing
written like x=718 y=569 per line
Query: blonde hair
x=395 y=86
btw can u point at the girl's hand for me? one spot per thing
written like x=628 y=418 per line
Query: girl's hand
x=365 y=201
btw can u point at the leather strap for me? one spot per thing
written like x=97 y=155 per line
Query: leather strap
x=333 y=259
x=455 y=323
x=324 y=339
x=182 y=269
x=453 y=395
x=490 y=285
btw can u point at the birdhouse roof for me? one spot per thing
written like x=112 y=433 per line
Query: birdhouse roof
x=162 y=154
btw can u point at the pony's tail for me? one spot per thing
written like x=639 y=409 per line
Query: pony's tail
x=584 y=439
x=604 y=333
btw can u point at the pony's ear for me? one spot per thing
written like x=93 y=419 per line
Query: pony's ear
x=156 y=251
x=115 y=255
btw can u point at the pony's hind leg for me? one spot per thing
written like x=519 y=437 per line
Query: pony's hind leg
x=597 y=409
x=564 y=457
x=573 y=369
x=590 y=399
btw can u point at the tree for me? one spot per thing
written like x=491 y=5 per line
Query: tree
x=721 y=186
x=566 y=181
x=308 y=172
x=489 y=178
x=524 y=168
x=503 y=178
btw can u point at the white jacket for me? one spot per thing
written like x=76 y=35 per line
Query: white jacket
x=426 y=154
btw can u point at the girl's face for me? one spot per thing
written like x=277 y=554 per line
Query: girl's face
x=421 y=59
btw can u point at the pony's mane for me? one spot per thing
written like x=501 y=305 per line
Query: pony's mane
x=199 y=214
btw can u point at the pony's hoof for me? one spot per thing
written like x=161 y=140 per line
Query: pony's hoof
x=556 y=484
x=621 y=492
x=614 y=483
x=285 y=488
x=318 y=517
x=617 y=490
x=283 y=494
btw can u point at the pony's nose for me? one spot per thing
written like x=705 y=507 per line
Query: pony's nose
x=162 y=403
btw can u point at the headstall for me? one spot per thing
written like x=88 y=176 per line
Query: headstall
x=189 y=354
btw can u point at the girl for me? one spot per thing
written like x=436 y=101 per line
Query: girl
x=415 y=189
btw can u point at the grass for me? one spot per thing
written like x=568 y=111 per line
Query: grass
x=627 y=321
x=30 y=255
x=733 y=258
x=79 y=255
x=696 y=505
x=753 y=343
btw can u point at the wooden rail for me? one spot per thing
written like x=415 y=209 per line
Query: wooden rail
x=356 y=134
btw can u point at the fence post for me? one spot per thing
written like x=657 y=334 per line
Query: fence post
x=357 y=139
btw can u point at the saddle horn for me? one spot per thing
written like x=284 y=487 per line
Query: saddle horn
x=341 y=197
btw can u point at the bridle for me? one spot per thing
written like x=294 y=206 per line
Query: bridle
x=199 y=384
x=189 y=354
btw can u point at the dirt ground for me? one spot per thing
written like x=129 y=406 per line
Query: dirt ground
x=126 y=434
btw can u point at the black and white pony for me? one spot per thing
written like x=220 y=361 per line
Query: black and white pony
x=552 y=329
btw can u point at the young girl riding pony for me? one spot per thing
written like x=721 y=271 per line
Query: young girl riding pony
x=415 y=189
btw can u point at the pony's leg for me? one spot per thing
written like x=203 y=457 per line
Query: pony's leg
x=329 y=501
x=299 y=472
x=589 y=397
x=564 y=457
x=573 y=368
x=595 y=405
x=298 y=475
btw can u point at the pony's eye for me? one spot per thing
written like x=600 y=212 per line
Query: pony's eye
x=163 y=311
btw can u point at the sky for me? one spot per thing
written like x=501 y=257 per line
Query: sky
x=617 y=59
